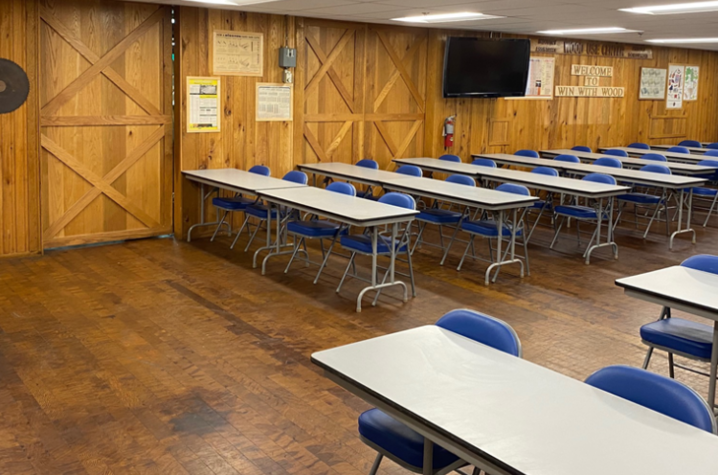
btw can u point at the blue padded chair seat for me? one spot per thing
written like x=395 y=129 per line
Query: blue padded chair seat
x=362 y=243
x=313 y=228
x=232 y=203
x=681 y=335
x=260 y=211
x=540 y=204
x=399 y=440
x=581 y=212
x=640 y=198
x=700 y=191
x=439 y=216
x=487 y=227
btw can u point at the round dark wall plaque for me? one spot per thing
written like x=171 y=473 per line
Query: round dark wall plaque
x=14 y=86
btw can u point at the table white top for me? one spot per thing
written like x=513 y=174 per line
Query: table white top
x=526 y=418
x=680 y=287
x=696 y=150
x=633 y=162
x=624 y=174
x=349 y=172
x=461 y=194
x=531 y=180
x=238 y=180
x=344 y=208
x=683 y=157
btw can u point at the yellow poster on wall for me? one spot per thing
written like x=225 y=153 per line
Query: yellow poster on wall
x=203 y=105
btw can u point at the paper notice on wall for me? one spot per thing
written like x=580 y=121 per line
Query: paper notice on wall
x=238 y=53
x=690 y=88
x=274 y=102
x=674 y=94
x=653 y=84
x=203 y=105
x=540 y=79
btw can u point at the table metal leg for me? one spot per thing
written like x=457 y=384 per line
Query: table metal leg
x=599 y=231
x=501 y=261
x=280 y=241
x=428 y=457
x=689 y=229
x=202 y=213
x=714 y=368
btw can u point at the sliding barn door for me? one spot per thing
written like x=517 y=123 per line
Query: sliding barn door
x=106 y=121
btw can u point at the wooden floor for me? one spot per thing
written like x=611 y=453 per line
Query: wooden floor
x=162 y=357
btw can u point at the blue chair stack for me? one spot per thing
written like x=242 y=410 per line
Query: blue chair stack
x=236 y=203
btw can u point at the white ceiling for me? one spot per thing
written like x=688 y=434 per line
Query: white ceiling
x=522 y=16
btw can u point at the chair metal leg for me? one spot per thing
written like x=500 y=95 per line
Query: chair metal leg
x=411 y=274
x=294 y=254
x=254 y=234
x=422 y=226
x=326 y=258
x=710 y=211
x=219 y=226
x=526 y=254
x=448 y=248
x=477 y=471
x=648 y=357
x=558 y=230
x=375 y=466
x=239 y=233
x=468 y=246
x=671 y=366
x=346 y=271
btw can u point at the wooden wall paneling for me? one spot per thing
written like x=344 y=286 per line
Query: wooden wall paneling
x=19 y=179
x=106 y=105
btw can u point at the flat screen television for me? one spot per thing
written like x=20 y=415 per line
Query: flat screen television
x=475 y=67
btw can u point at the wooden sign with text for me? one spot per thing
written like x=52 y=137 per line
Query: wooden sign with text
x=590 y=48
x=584 y=91
x=588 y=70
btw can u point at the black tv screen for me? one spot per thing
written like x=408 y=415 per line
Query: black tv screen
x=475 y=67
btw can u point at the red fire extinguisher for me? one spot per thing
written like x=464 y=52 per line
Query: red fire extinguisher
x=449 y=132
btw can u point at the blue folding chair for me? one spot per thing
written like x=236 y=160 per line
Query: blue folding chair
x=654 y=157
x=362 y=244
x=397 y=442
x=678 y=149
x=703 y=193
x=711 y=153
x=647 y=199
x=608 y=162
x=567 y=158
x=450 y=158
x=236 y=203
x=527 y=153
x=489 y=229
x=678 y=336
x=616 y=152
x=690 y=143
x=587 y=213
x=373 y=165
x=655 y=392
x=315 y=228
x=541 y=205
x=582 y=148
x=641 y=145
x=484 y=162
x=712 y=146
x=410 y=170
x=439 y=216
x=261 y=211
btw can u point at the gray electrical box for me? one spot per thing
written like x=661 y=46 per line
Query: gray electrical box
x=287 y=57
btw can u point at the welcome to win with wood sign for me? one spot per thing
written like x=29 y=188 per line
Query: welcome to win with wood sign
x=587 y=91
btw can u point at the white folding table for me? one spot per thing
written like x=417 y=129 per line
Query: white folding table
x=509 y=416
x=678 y=168
x=346 y=209
x=345 y=171
x=696 y=150
x=490 y=200
x=670 y=156
x=685 y=289
x=235 y=180
x=681 y=186
x=580 y=188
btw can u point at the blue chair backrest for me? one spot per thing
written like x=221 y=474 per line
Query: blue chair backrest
x=712 y=146
x=641 y=145
x=656 y=392
x=461 y=180
x=527 y=153
x=600 y=178
x=368 y=163
x=296 y=177
x=484 y=162
x=567 y=158
x=656 y=168
x=709 y=163
x=401 y=200
x=411 y=170
x=689 y=143
x=450 y=158
x=260 y=170
x=341 y=187
x=479 y=327
x=515 y=189
x=545 y=171
x=608 y=162
x=704 y=262
x=656 y=157
x=678 y=149
x=711 y=153
x=615 y=152
x=582 y=148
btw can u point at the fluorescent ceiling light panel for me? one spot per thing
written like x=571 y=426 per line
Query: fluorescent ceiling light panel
x=588 y=31
x=446 y=17
x=684 y=40
x=674 y=9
